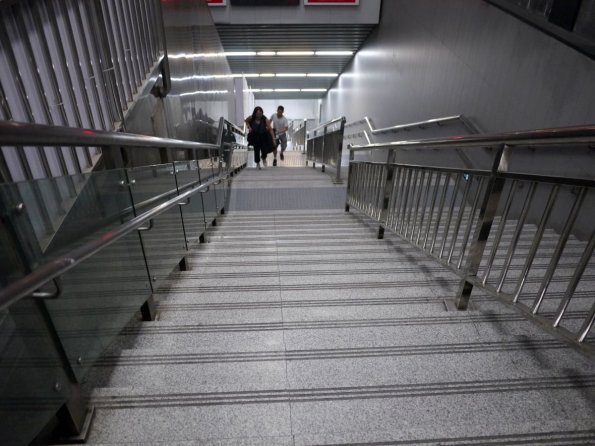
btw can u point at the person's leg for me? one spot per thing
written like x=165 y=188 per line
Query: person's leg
x=263 y=155
x=283 y=141
x=275 y=153
x=257 y=156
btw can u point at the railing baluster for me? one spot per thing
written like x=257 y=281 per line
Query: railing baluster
x=409 y=209
x=584 y=330
x=424 y=206
x=500 y=231
x=559 y=249
x=417 y=201
x=403 y=211
x=536 y=241
x=450 y=212
x=431 y=215
x=517 y=234
x=576 y=277
x=393 y=197
x=462 y=209
x=440 y=210
x=471 y=220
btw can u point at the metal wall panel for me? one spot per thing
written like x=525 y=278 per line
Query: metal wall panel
x=76 y=63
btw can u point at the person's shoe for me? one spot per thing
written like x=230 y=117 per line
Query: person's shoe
x=282 y=157
x=264 y=162
x=275 y=162
x=258 y=164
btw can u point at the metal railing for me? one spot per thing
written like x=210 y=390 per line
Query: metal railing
x=327 y=148
x=422 y=125
x=299 y=136
x=127 y=225
x=526 y=195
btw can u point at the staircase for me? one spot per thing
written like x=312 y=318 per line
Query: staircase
x=297 y=326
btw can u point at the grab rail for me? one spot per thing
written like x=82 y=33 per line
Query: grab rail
x=448 y=212
x=26 y=134
x=421 y=125
x=579 y=134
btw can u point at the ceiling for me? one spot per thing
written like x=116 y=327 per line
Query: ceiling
x=287 y=37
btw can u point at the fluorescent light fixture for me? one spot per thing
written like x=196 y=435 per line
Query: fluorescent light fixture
x=266 y=90
x=291 y=74
x=313 y=89
x=194 y=55
x=239 y=53
x=267 y=74
x=267 y=53
x=253 y=90
x=205 y=92
x=323 y=74
x=334 y=53
x=287 y=90
x=295 y=53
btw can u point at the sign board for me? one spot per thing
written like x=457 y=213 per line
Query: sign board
x=217 y=2
x=331 y=2
x=265 y=2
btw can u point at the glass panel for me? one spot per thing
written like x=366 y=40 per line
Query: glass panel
x=29 y=364
x=165 y=243
x=101 y=294
x=194 y=218
x=209 y=199
x=33 y=384
x=100 y=297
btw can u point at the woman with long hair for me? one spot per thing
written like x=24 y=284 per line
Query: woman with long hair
x=260 y=135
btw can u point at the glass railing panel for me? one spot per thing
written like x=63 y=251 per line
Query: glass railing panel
x=207 y=172
x=101 y=294
x=33 y=383
x=164 y=243
x=194 y=218
x=30 y=367
x=100 y=297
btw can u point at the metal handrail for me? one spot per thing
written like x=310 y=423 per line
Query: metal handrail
x=327 y=124
x=28 y=284
x=420 y=124
x=578 y=134
x=448 y=212
x=235 y=127
x=26 y=134
x=321 y=155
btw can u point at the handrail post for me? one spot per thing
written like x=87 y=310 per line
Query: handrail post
x=323 y=147
x=489 y=206
x=340 y=153
x=349 y=176
x=386 y=191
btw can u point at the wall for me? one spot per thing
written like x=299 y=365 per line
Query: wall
x=200 y=94
x=294 y=108
x=432 y=58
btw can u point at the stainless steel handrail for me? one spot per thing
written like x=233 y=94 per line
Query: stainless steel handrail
x=579 y=134
x=28 y=284
x=420 y=124
x=235 y=127
x=327 y=124
x=26 y=134
x=319 y=153
x=411 y=199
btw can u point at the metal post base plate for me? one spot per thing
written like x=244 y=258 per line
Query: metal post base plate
x=82 y=436
x=450 y=305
